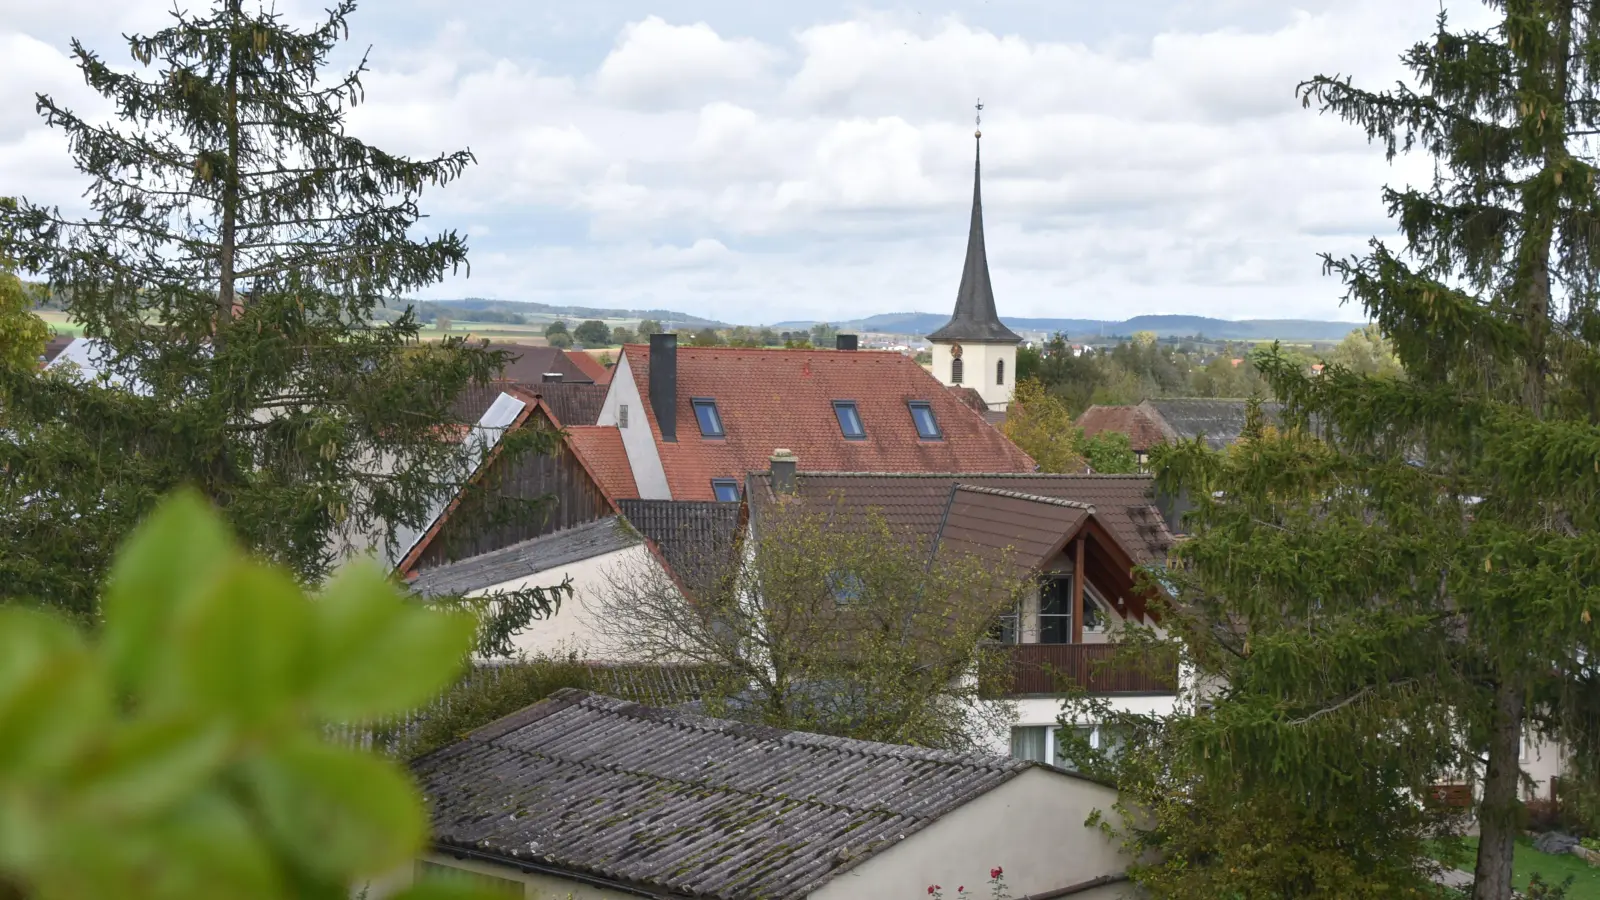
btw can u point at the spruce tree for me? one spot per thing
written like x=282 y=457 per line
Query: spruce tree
x=1408 y=599
x=240 y=243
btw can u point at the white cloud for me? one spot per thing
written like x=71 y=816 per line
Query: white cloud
x=656 y=63
x=827 y=171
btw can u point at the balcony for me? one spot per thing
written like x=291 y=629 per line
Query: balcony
x=1031 y=669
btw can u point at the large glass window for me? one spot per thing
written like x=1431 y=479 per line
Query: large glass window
x=1055 y=610
x=1031 y=743
x=922 y=417
x=849 y=420
x=705 y=412
x=1057 y=746
x=846 y=587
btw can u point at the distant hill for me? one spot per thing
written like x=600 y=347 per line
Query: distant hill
x=1163 y=326
x=911 y=323
x=545 y=310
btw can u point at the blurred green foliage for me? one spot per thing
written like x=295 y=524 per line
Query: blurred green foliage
x=181 y=752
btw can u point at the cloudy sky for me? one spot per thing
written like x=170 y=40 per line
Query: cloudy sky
x=755 y=162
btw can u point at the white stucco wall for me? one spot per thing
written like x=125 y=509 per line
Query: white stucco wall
x=637 y=440
x=1032 y=827
x=571 y=630
x=1541 y=761
x=978 y=369
x=534 y=886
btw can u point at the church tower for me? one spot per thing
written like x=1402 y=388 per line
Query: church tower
x=974 y=349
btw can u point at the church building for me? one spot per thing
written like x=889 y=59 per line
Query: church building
x=974 y=349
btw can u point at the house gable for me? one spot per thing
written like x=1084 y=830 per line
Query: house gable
x=639 y=437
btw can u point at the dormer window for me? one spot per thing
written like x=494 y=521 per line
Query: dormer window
x=922 y=417
x=705 y=412
x=726 y=490
x=849 y=420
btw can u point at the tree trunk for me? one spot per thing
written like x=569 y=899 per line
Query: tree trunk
x=1499 y=813
x=230 y=185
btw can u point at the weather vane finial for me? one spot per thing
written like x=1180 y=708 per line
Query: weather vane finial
x=977 y=121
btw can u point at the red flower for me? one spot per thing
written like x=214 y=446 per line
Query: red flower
x=932 y=888
x=961 y=888
x=996 y=872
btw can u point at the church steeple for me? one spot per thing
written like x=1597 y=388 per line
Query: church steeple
x=975 y=319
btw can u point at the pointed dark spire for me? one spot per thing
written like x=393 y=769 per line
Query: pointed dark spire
x=975 y=318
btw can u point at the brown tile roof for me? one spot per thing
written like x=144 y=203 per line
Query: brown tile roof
x=599 y=448
x=970 y=396
x=991 y=523
x=55 y=345
x=590 y=366
x=682 y=804
x=1123 y=504
x=1141 y=424
x=570 y=402
x=784 y=398
x=529 y=364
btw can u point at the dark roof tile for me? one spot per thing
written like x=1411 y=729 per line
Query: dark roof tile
x=697 y=538
x=917 y=502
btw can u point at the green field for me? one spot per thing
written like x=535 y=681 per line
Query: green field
x=58 y=322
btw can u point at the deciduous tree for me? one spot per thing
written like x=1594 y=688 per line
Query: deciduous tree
x=830 y=622
x=592 y=333
x=1042 y=426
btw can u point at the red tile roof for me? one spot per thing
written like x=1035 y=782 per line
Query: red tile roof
x=1142 y=425
x=599 y=448
x=771 y=399
x=590 y=366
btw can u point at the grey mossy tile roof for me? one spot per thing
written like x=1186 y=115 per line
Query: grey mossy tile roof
x=1221 y=421
x=697 y=537
x=683 y=803
x=530 y=557
x=656 y=684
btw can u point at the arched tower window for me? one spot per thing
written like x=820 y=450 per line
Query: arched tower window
x=999 y=371
x=955 y=370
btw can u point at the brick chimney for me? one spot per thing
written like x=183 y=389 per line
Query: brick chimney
x=783 y=469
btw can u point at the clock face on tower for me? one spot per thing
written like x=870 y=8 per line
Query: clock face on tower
x=955 y=351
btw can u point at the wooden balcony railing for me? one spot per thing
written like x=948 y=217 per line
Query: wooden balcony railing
x=1053 y=669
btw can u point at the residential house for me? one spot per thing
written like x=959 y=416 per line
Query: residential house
x=594 y=797
x=582 y=521
x=1080 y=537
